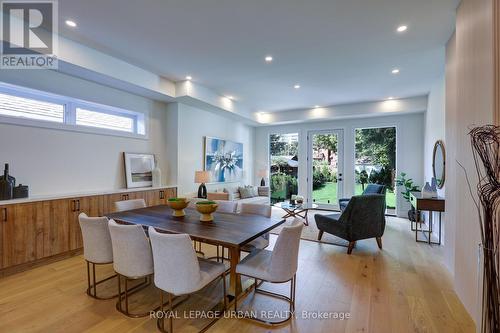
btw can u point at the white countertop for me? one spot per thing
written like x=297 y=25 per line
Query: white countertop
x=79 y=194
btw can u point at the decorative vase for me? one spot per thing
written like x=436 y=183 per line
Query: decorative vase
x=156 y=174
x=206 y=208
x=427 y=191
x=178 y=205
x=7 y=184
x=434 y=187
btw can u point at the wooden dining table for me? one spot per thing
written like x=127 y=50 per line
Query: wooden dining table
x=228 y=230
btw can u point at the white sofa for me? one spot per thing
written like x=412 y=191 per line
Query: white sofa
x=232 y=193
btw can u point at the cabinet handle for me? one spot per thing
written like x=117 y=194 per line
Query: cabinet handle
x=162 y=195
x=5 y=214
x=78 y=205
x=73 y=202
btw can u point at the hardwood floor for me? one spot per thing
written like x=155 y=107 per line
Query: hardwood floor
x=402 y=288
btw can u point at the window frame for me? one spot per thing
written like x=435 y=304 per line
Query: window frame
x=70 y=104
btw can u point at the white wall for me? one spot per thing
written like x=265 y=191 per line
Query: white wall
x=60 y=162
x=410 y=134
x=193 y=125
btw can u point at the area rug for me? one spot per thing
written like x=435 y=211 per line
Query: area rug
x=310 y=232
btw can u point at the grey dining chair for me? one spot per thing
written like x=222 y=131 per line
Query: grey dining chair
x=256 y=209
x=132 y=260
x=277 y=266
x=97 y=250
x=124 y=205
x=183 y=273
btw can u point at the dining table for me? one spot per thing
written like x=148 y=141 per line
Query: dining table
x=230 y=230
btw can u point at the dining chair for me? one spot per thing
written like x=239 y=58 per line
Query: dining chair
x=132 y=260
x=181 y=274
x=97 y=250
x=256 y=209
x=124 y=205
x=276 y=266
x=226 y=206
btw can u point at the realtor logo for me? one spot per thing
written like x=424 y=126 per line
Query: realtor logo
x=29 y=35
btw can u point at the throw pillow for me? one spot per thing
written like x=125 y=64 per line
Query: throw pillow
x=246 y=192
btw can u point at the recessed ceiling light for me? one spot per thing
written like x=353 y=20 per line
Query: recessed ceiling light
x=230 y=97
x=316 y=106
x=390 y=97
x=70 y=23
x=395 y=71
x=297 y=86
x=189 y=77
x=402 y=28
x=268 y=58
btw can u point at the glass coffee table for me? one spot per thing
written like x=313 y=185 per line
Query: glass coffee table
x=295 y=210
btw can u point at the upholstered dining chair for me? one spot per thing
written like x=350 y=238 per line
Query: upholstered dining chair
x=97 y=250
x=255 y=209
x=183 y=273
x=370 y=189
x=226 y=206
x=363 y=218
x=124 y=205
x=277 y=266
x=132 y=260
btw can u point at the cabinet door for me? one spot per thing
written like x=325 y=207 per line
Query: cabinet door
x=56 y=238
x=88 y=205
x=23 y=232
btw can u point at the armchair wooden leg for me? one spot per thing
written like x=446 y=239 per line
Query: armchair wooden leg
x=350 y=247
x=379 y=242
x=320 y=234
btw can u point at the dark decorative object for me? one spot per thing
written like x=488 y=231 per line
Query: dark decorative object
x=202 y=191
x=20 y=191
x=409 y=186
x=202 y=177
x=485 y=142
x=7 y=184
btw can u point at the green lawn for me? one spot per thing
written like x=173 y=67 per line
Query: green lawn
x=329 y=192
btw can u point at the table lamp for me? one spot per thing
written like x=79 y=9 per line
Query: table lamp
x=262 y=174
x=202 y=177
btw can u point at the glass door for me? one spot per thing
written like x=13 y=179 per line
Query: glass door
x=284 y=166
x=325 y=168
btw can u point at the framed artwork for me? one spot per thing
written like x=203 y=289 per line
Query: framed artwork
x=224 y=160
x=139 y=169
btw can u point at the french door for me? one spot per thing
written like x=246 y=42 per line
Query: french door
x=325 y=168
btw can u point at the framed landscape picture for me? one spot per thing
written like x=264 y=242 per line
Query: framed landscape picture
x=139 y=169
x=224 y=160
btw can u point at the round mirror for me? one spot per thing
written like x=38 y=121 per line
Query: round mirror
x=438 y=163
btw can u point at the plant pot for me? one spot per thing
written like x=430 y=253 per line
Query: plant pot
x=178 y=205
x=413 y=215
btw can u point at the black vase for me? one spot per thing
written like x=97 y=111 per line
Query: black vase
x=7 y=184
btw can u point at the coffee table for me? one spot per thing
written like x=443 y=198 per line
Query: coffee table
x=294 y=210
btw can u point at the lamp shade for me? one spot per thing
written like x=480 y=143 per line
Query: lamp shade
x=262 y=173
x=202 y=176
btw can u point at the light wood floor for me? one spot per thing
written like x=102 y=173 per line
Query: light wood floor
x=403 y=288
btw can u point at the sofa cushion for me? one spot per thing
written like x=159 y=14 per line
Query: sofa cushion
x=246 y=192
x=255 y=200
x=234 y=194
x=217 y=196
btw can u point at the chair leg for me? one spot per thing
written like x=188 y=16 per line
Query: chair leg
x=379 y=242
x=350 y=247
x=92 y=284
x=320 y=234
x=126 y=293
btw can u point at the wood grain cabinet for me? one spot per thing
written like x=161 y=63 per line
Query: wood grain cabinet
x=33 y=232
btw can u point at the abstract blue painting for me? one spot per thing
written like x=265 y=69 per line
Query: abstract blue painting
x=224 y=160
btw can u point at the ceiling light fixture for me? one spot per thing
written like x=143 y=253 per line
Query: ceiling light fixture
x=230 y=97
x=189 y=77
x=268 y=58
x=395 y=71
x=71 y=23
x=297 y=86
x=316 y=106
x=402 y=28
x=390 y=98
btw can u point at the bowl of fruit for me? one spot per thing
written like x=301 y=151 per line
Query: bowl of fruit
x=206 y=208
x=178 y=205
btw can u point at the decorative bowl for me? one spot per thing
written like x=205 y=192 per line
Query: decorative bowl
x=178 y=205
x=206 y=208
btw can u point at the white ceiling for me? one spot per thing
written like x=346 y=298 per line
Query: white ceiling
x=340 y=51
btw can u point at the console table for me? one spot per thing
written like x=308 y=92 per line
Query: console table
x=431 y=205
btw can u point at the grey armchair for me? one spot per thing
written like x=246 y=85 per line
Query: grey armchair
x=363 y=218
x=370 y=189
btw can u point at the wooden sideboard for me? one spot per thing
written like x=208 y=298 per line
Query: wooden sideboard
x=33 y=232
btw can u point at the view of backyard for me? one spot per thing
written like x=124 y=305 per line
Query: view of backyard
x=375 y=162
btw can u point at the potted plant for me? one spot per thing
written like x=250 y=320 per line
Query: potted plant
x=409 y=186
